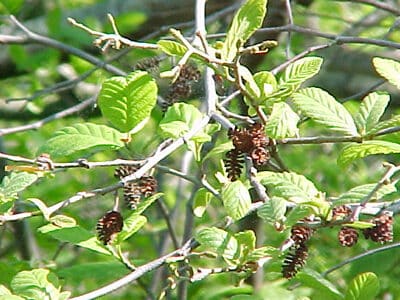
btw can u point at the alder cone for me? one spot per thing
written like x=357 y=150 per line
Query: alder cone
x=108 y=226
x=348 y=236
x=382 y=232
x=294 y=261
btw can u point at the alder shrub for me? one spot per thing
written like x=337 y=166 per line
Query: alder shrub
x=249 y=213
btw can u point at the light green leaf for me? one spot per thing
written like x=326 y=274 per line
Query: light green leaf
x=201 y=201
x=291 y=186
x=82 y=139
x=128 y=101
x=359 y=225
x=392 y=122
x=318 y=105
x=251 y=86
x=14 y=183
x=371 y=110
x=247 y=239
x=315 y=280
x=219 y=241
x=358 y=193
x=247 y=20
x=282 y=122
x=172 y=48
x=11 y=297
x=219 y=149
x=236 y=199
x=301 y=70
x=364 y=286
x=131 y=225
x=388 y=69
x=260 y=85
x=354 y=151
x=4 y=290
x=36 y=284
x=63 y=221
x=75 y=235
x=273 y=210
x=179 y=119
x=262 y=252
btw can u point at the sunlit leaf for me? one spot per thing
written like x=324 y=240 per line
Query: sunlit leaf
x=364 y=286
x=355 y=151
x=388 y=69
x=82 y=139
x=282 y=122
x=320 y=106
x=236 y=199
x=128 y=101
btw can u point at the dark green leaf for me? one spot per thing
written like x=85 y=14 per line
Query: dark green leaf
x=82 y=139
x=313 y=279
x=364 y=286
x=371 y=110
x=355 y=151
x=247 y=20
x=236 y=199
x=128 y=101
x=318 y=105
x=75 y=235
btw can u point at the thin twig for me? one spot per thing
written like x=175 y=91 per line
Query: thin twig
x=357 y=257
x=69 y=111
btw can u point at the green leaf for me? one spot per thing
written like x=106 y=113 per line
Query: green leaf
x=14 y=183
x=358 y=193
x=318 y=105
x=282 y=122
x=75 y=235
x=128 y=101
x=260 y=85
x=354 y=151
x=273 y=210
x=314 y=280
x=219 y=149
x=63 y=221
x=371 y=110
x=11 y=297
x=82 y=139
x=247 y=239
x=201 y=201
x=364 y=286
x=131 y=225
x=4 y=290
x=359 y=225
x=262 y=252
x=388 y=69
x=98 y=271
x=36 y=284
x=8 y=7
x=297 y=213
x=291 y=186
x=179 y=119
x=251 y=86
x=392 y=122
x=172 y=48
x=236 y=199
x=301 y=70
x=144 y=204
x=247 y=20
x=219 y=241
